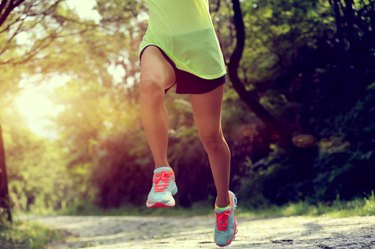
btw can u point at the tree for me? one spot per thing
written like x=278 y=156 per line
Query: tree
x=251 y=97
x=13 y=18
x=327 y=78
x=6 y=7
x=4 y=193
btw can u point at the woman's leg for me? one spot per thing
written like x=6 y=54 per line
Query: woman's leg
x=156 y=75
x=207 y=116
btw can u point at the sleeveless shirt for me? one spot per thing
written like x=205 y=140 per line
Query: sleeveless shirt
x=183 y=29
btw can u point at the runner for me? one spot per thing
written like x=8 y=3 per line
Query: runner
x=180 y=47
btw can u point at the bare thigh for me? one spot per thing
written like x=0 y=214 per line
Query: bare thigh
x=156 y=69
x=207 y=113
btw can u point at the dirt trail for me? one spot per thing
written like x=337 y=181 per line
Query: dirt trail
x=196 y=232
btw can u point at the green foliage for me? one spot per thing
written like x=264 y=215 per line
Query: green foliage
x=26 y=235
x=330 y=91
x=275 y=30
x=356 y=207
x=120 y=170
x=36 y=168
x=343 y=167
x=311 y=71
x=349 y=162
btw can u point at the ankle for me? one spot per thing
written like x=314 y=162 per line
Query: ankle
x=222 y=203
x=162 y=165
x=222 y=200
x=161 y=162
x=162 y=168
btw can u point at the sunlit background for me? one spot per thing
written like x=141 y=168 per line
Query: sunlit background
x=33 y=101
x=298 y=119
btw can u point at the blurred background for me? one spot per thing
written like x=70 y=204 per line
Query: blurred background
x=298 y=112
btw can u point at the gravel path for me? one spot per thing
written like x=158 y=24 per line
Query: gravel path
x=196 y=232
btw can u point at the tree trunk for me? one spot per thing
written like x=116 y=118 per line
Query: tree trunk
x=247 y=96
x=338 y=19
x=350 y=23
x=6 y=7
x=4 y=193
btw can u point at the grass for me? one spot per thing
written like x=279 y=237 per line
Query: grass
x=337 y=209
x=130 y=210
x=357 y=207
x=25 y=235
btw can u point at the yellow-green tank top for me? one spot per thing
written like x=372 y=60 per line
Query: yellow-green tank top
x=183 y=29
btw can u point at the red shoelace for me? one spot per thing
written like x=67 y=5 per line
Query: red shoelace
x=161 y=180
x=222 y=220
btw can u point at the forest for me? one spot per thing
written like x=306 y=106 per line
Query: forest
x=298 y=111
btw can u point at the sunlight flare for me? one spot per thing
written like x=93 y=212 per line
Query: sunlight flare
x=37 y=109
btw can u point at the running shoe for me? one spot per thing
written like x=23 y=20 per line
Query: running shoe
x=226 y=224
x=163 y=188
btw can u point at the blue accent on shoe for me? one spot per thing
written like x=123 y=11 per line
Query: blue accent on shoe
x=163 y=168
x=163 y=188
x=225 y=237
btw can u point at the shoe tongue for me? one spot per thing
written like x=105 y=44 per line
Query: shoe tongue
x=164 y=168
x=220 y=210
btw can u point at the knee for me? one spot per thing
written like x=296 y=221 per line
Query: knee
x=151 y=90
x=213 y=142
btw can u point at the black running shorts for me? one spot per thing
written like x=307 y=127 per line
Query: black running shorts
x=187 y=83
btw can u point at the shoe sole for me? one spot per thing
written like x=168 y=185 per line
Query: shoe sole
x=169 y=204
x=160 y=204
